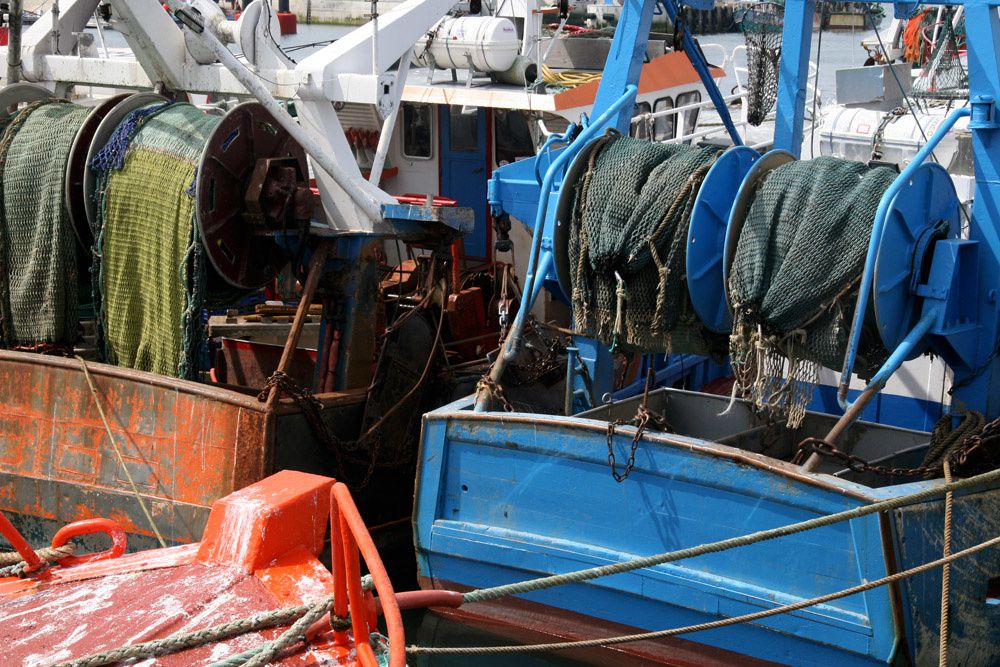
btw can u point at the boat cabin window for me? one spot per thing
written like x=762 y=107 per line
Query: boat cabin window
x=664 y=127
x=512 y=136
x=640 y=129
x=463 y=129
x=690 y=116
x=417 y=131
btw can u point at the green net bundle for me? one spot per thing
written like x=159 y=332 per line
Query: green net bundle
x=794 y=280
x=38 y=262
x=149 y=271
x=762 y=24
x=627 y=235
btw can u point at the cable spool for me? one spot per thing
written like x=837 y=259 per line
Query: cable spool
x=39 y=247
x=155 y=168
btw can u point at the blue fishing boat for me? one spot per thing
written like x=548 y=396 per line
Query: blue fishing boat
x=736 y=526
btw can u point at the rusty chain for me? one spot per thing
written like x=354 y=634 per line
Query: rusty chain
x=957 y=457
x=311 y=409
x=642 y=419
x=496 y=391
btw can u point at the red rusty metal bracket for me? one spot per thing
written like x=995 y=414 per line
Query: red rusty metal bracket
x=348 y=537
x=119 y=541
x=20 y=544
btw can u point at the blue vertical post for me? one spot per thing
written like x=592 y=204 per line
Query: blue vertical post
x=624 y=63
x=793 y=75
x=979 y=388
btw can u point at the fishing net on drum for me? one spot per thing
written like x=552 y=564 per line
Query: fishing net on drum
x=631 y=211
x=149 y=274
x=794 y=280
x=38 y=263
x=761 y=25
x=944 y=76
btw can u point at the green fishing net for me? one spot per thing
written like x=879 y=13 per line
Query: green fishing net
x=627 y=238
x=38 y=287
x=150 y=277
x=794 y=279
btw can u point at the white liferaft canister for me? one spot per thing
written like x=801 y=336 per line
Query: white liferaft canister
x=490 y=42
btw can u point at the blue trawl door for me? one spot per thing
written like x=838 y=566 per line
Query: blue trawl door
x=464 y=169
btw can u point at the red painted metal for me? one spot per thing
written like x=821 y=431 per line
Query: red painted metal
x=288 y=23
x=348 y=529
x=259 y=553
x=119 y=541
x=421 y=200
x=16 y=540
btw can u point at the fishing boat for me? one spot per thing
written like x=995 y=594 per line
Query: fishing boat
x=733 y=524
x=133 y=419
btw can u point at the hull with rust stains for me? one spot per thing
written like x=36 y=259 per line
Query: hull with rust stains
x=185 y=445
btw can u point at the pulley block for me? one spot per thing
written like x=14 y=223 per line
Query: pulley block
x=253 y=180
x=706 y=240
x=923 y=212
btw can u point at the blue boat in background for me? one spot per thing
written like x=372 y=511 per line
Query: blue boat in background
x=507 y=495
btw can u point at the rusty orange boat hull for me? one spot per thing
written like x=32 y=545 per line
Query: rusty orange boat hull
x=184 y=444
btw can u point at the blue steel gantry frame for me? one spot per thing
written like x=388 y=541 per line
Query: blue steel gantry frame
x=973 y=358
x=963 y=333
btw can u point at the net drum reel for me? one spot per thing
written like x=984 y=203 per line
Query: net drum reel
x=925 y=210
x=252 y=179
x=709 y=248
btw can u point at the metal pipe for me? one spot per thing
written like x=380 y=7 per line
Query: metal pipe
x=867 y=277
x=100 y=34
x=252 y=83
x=316 y=265
x=891 y=365
x=20 y=544
x=389 y=124
x=55 y=26
x=539 y=265
x=14 y=42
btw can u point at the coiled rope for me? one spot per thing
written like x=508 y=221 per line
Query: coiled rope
x=262 y=621
x=11 y=564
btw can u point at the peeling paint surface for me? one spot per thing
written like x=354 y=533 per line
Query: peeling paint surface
x=75 y=619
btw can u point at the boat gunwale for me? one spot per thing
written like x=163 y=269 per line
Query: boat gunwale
x=454 y=411
x=232 y=397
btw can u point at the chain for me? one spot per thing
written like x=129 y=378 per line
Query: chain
x=311 y=409
x=496 y=391
x=643 y=417
x=957 y=457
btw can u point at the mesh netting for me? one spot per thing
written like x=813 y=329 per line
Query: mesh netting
x=38 y=288
x=761 y=25
x=150 y=277
x=794 y=280
x=944 y=77
x=627 y=239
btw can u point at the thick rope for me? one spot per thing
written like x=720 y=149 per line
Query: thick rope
x=746 y=618
x=496 y=592
x=945 y=573
x=264 y=654
x=48 y=554
x=217 y=633
x=118 y=453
